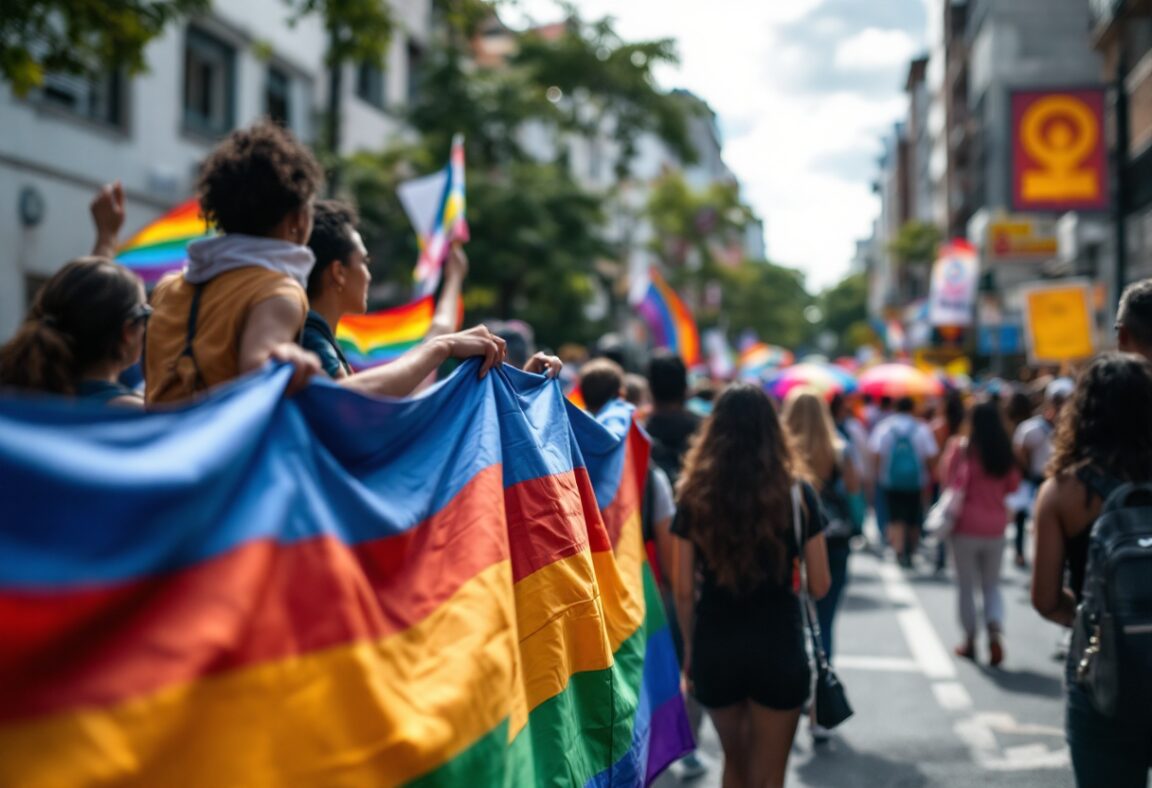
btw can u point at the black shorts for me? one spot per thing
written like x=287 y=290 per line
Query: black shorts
x=761 y=658
x=905 y=507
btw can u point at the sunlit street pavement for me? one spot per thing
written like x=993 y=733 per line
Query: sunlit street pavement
x=924 y=716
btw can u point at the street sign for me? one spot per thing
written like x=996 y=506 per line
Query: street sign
x=1059 y=321
x=1059 y=151
x=1018 y=238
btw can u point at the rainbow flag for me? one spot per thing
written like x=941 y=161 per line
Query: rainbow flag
x=668 y=318
x=436 y=206
x=160 y=247
x=379 y=337
x=758 y=359
x=330 y=589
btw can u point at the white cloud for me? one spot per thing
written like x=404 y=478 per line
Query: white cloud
x=872 y=49
x=738 y=56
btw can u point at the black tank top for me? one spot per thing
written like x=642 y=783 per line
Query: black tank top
x=1099 y=485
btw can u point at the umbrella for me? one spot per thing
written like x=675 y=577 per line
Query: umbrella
x=824 y=378
x=759 y=359
x=899 y=380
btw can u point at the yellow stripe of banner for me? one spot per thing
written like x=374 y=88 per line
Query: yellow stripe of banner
x=365 y=713
x=362 y=714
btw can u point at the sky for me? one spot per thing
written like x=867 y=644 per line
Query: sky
x=804 y=89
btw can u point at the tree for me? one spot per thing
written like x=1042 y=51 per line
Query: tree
x=767 y=298
x=917 y=243
x=697 y=229
x=845 y=311
x=38 y=37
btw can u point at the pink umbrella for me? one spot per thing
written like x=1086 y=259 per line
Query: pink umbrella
x=899 y=380
x=825 y=378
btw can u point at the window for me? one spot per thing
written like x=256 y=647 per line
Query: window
x=278 y=97
x=209 y=83
x=415 y=76
x=98 y=97
x=370 y=83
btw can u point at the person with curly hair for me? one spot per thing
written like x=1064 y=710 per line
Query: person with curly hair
x=745 y=646
x=242 y=300
x=1103 y=439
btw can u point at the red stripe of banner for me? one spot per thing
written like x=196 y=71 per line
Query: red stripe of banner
x=265 y=601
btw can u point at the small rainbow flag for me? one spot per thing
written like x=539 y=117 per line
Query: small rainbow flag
x=379 y=337
x=757 y=359
x=668 y=318
x=435 y=205
x=160 y=247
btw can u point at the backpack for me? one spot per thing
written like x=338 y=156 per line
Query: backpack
x=1111 y=652
x=834 y=502
x=905 y=471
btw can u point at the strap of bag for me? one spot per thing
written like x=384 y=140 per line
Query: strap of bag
x=190 y=335
x=806 y=604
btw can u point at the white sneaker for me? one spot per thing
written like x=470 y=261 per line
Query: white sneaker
x=820 y=734
x=692 y=766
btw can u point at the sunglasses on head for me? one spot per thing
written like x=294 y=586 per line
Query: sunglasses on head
x=140 y=313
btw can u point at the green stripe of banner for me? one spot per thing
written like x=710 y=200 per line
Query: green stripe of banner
x=572 y=736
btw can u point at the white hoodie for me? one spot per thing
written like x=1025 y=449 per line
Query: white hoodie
x=211 y=257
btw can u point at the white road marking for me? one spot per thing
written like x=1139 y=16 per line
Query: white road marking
x=884 y=664
x=924 y=643
x=951 y=695
x=977 y=732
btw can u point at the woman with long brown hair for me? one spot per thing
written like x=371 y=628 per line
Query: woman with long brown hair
x=745 y=648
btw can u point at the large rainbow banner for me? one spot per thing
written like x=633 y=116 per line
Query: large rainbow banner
x=330 y=590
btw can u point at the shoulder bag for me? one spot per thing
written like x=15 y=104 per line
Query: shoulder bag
x=830 y=699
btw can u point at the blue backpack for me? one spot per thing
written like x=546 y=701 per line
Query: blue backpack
x=905 y=471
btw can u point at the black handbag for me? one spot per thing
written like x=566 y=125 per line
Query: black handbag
x=828 y=694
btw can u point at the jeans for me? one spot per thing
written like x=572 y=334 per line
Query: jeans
x=838 y=551
x=978 y=561
x=880 y=505
x=1107 y=752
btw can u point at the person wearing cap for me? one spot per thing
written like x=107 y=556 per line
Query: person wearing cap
x=1033 y=445
x=1134 y=319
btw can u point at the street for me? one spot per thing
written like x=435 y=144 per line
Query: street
x=924 y=716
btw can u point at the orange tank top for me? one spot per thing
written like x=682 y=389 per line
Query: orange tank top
x=224 y=304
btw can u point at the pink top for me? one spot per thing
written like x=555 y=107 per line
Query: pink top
x=984 y=513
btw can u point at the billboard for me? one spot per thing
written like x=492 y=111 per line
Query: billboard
x=1059 y=151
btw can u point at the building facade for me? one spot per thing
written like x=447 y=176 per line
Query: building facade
x=206 y=76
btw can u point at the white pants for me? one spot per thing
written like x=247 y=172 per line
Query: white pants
x=978 y=561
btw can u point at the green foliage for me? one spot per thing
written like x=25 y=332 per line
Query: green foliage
x=695 y=229
x=613 y=79
x=358 y=30
x=534 y=240
x=767 y=298
x=917 y=243
x=80 y=36
x=845 y=310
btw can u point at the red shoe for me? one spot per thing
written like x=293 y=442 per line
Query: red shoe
x=967 y=650
x=995 y=652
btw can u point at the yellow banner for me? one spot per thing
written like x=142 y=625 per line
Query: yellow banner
x=1059 y=322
